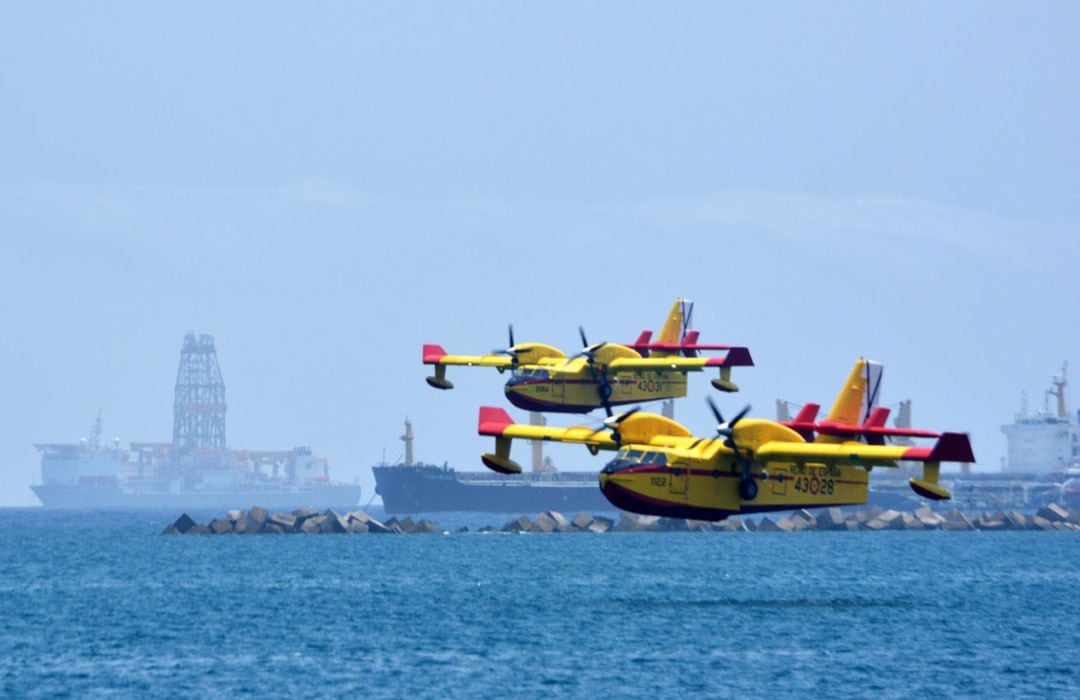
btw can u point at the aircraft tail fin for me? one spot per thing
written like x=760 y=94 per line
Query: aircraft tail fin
x=677 y=323
x=860 y=394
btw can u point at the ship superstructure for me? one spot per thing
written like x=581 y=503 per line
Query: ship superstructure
x=1046 y=441
x=196 y=469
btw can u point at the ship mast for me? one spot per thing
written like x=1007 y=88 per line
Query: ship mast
x=1058 y=390
x=407 y=438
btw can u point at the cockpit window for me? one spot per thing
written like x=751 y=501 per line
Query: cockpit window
x=622 y=454
x=635 y=455
x=541 y=374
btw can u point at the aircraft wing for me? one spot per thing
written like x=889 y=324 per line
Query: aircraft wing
x=435 y=355
x=950 y=447
x=497 y=423
x=736 y=357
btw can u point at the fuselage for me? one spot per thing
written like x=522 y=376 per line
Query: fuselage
x=540 y=389
x=672 y=483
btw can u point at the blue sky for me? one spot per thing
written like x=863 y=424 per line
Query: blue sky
x=325 y=188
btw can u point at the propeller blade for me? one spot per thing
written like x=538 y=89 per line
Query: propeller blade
x=740 y=415
x=584 y=340
x=510 y=329
x=715 y=410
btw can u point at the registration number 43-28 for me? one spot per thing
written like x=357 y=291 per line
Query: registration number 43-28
x=813 y=485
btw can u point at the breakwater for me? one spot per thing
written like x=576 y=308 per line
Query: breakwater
x=257 y=520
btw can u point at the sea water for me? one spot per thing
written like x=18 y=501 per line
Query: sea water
x=105 y=604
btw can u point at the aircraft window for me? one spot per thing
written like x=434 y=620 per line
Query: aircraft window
x=622 y=454
x=526 y=372
x=661 y=459
x=541 y=374
x=635 y=455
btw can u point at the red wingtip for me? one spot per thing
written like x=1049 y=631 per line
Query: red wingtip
x=432 y=353
x=493 y=421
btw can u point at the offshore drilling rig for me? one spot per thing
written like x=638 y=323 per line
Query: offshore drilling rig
x=197 y=468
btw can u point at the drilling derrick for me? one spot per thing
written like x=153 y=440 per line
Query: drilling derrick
x=199 y=406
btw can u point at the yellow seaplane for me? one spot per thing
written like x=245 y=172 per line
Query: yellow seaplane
x=751 y=465
x=543 y=378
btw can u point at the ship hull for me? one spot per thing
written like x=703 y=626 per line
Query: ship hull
x=113 y=497
x=429 y=489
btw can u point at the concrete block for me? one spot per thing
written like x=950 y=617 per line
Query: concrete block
x=246 y=525
x=1053 y=512
x=750 y=525
x=766 y=524
x=873 y=512
x=673 y=525
x=184 y=523
x=600 y=525
x=487 y=529
x=732 y=524
x=877 y=524
x=700 y=526
x=357 y=527
x=333 y=524
x=170 y=530
x=633 y=522
x=258 y=515
x=805 y=515
x=198 y=530
x=859 y=516
x=912 y=523
x=785 y=524
x=559 y=519
x=1016 y=520
x=894 y=519
x=989 y=525
x=310 y=526
x=407 y=525
x=582 y=520
x=461 y=530
x=220 y=526
x=302 y=514
x=285 y=521
x=853 y=525
x=923 y=512
x=272 y=528
x=359 y=516
x=234 y=515
x=606 y=523
x=427 y=527
x=519 y=524
x=377 y=528
x=830 y=519
x=543 y=523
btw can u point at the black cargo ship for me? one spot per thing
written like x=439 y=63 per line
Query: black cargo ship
x=410 y=488
x=426 y=488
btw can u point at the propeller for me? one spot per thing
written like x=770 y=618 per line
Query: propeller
x=612 y=423
x=727 y=430
x=603 y=386
x=510 y=349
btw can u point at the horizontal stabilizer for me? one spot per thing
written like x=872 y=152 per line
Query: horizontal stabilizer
x=950 y=447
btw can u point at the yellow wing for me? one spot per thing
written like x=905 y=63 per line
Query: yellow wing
x=637 y=428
